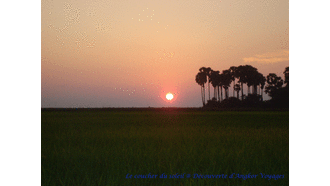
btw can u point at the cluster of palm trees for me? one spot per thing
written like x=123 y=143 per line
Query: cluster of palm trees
x=221 y=81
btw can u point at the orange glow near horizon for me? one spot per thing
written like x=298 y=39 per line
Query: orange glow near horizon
x=169 y=95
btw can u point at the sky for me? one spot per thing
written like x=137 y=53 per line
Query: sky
x=126 y=53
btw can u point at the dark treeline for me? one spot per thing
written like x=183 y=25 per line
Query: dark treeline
x=274 y=86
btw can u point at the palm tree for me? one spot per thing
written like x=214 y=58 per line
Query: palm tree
x=237 y=88
x=233 y=76
x=256 y=79
x=246 y=74
x=220 y=78
x=262 y=85
x=227 y=78
x=219 y=84
x=240 y=73
x=207 y=71
x=214 y=78
x=251 y=75
x=201 y=80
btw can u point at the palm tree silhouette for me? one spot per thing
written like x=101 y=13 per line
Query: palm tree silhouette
x=255 y=79
x=227 y=78
x=207 y=71
x=201 y=80
x=240 y=73
x=219 y=84
x=251 y=75
x=233 y=77
x=220 y=78
x=237 y=88
x=262 y=85
x=215 y=83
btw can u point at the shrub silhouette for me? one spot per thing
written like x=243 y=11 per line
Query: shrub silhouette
x=212 y=103
x=252 y=100
x=231 y=102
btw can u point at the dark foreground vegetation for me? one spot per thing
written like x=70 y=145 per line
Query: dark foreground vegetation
x=102 y=147
x=162 y=109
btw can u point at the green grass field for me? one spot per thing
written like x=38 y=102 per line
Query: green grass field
x=101 y=147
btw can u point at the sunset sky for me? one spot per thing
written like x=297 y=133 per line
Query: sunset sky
x=126 y=53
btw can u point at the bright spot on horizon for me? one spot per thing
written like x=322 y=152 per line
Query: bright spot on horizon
x=169 y=96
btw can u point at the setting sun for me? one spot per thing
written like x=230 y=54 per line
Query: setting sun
x=169 y=96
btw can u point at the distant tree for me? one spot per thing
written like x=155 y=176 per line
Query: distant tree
x=274 y=83
x=201 y=80
x=286 y=76
x=275 y=89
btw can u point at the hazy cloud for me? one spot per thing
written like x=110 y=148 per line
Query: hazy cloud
x=270 y=57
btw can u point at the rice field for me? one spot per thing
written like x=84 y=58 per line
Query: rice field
x=164 y=147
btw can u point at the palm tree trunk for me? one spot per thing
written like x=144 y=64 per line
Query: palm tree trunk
x=242 y=90
x=209 y=91
x=221 y=94
x=233 y=88
x=255 y=89
x=218 y=94
x=214 y=92
x=202 y=95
